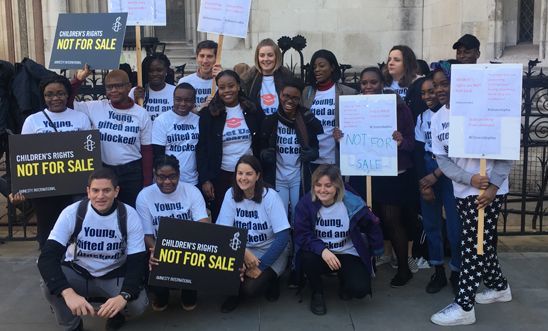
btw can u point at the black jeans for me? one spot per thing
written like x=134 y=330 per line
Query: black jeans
x=353 y=275
x=130 y=180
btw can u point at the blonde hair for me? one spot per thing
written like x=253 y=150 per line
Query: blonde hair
x=277 y=53
x=334 y=174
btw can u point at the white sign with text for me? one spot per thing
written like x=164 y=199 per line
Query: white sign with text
x=224 y=17
x=140 y=12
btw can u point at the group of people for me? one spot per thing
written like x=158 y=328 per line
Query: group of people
x=261 y=153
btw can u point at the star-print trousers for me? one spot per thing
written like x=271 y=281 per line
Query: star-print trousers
x=475 y=268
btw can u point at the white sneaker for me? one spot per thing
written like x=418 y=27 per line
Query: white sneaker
x=492 y=295
x=382 y=260
x=453 y=315
x=412 y=264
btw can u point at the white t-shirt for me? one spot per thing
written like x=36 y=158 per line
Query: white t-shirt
x=288 y=151
x=323 y=107
x=179 y=134
x=332 y=227
x=236 y=138
x=100 y=245
x=269 y=96
x=261 y=220
x=440 y=146
x=68 y=120
x=402 y=91
x=202 y=86
x=123 y=131
x=423 y=130
x=186 y=204
x=158 y=101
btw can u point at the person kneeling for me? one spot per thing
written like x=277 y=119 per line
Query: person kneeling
x=107 y=262
x=329 y=224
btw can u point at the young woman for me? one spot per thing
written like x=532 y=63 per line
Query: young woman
x=393 y=196
x=263 y=82
x=329 y=225
x=436 y=194
x=467 y=183
x=57 y=117
x=401 y=69
x=157 y=95
x=289 y=142
x=250 y=205
x=169 y=198
x=229 y=128
x=322 y=98
x=176 y=132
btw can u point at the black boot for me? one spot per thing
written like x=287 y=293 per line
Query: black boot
x=317 y=304
x=437 y=281
x=273 y=290
x=230 y=304
x=115 y=322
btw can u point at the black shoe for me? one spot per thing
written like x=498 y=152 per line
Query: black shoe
x=230 y=304
x=273 y=292
x=80 y=326
x=437 y=281
x=344 y=295
x=115 y=322
x=454 y=279
x=295 y=280
x=189 y=299
x=401 y=279
x=317 y=304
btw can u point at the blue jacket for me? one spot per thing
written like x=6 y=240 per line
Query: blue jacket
x=365 y=231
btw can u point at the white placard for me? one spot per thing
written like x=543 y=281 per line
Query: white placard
x=485 y=108
x=226 y=17
x=367 y=147
x=140 y=12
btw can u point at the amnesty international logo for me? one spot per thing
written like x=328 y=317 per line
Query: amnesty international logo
x=89 y=145
x=235 y=242
x=117 y=26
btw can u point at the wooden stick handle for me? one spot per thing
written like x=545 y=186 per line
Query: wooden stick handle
x=368 y=194
x=217 y=60
x=139 y=61
x=481 y=211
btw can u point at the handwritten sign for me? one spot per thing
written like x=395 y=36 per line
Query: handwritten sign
x=224 y=17
x=198 y=256
x=367 y=147
x=143 y=12
x=93 y=39
x=485 y=111
x=51 y=164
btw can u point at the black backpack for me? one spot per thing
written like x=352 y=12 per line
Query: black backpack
x=81 y=214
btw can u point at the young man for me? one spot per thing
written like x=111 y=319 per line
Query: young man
x=467 y=48
x=202 y=79
x=125 y=133
x=102 y=261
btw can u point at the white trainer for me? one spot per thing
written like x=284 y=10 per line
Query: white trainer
x=491 y=295
x=453 y=315
x=412 y=263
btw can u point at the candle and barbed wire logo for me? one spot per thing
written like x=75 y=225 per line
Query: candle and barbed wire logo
x=117 y=26
x=89 y=144
x=235 y=242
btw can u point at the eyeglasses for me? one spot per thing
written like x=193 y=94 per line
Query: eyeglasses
x=60 y=95
x=163 y=178
x=117 y=86
x=295 y=99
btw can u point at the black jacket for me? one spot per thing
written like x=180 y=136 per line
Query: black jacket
x=26 y=86
x=269 y=138
x=209 y=151
x=252 y=81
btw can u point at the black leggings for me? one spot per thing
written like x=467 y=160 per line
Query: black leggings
x=353 y=275
x=252 y=287
x=47 y=211
x=393 y=222
x=130 y=180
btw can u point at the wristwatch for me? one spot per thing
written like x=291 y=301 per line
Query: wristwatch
x=126 y=296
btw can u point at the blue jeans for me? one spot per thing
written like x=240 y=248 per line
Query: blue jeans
x=432 y=219
x=289 y=193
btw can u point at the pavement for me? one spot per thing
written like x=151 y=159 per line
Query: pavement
x=407 y=308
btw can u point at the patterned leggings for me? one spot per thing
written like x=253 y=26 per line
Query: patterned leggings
x=475 y=268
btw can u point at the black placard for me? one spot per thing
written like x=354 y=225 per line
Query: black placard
x=93 y=39
x=198 y=256
x=51 y=164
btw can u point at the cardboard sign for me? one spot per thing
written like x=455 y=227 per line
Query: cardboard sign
x=198 y=256
x=51 y=164
x=367 y=147
x=224 y=17
x=95 y=39
x=485 y=108
x=143 y=12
